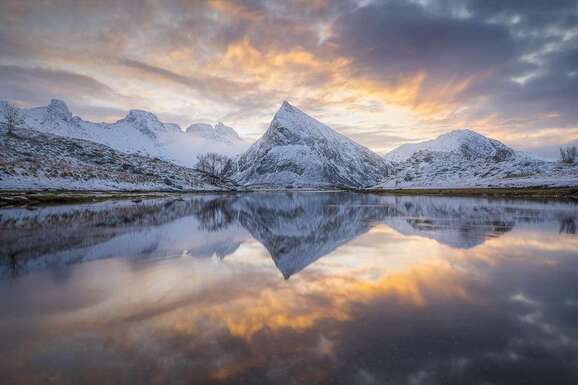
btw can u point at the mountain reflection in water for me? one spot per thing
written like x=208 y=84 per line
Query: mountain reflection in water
x=371 y=289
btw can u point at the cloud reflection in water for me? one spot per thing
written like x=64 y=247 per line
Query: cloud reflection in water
x=380 y=289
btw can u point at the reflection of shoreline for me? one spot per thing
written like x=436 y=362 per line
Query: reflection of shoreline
x=296 y=228
x=15 y=198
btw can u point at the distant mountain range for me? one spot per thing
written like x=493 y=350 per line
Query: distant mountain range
x=296 y=151
x=140 y=132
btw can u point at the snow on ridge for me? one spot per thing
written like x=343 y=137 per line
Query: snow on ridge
x=139 y=132
x=35 y=160
x=140 y=115
x=298 y=150
x=465 y=158
x=290 y=118
x=466 y=142
x=219 y=132
x=59 y=107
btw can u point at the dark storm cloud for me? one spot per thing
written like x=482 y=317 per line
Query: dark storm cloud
x=394 y=39
x=533 y=14
x=521 y=56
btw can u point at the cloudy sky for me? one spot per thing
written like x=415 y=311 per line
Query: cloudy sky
x=381 y=72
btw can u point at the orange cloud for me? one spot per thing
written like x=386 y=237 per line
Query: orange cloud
x=286 y=308
x=234 y=9
x=306 y=76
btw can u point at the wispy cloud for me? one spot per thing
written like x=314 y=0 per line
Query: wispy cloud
x=508 y=69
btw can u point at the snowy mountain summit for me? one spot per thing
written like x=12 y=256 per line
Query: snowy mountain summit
x=58 y=109
x=139 y=132
x=145 y=122
x=464 y=158
x=219 y=132
x=463 y=143
x=54 y=148
x=299 y=151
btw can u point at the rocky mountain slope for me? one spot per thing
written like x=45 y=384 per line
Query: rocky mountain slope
x=299 y=151
x=467 y=144
x=140 y=132
x=35 y=160
x=464 y=158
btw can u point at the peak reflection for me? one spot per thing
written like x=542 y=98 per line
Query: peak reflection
x=296 y=229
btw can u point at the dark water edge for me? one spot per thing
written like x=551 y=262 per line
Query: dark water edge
x=39 y=198
x=290 y=288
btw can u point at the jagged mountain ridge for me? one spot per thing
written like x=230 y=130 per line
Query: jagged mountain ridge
x=299 y=151
x=140 y=132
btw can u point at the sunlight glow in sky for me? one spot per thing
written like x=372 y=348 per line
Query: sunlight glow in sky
x=380 y=72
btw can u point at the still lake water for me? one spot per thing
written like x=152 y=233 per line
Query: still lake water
x=282 y=288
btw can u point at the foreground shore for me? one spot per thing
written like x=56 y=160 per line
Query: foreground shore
x=498 y=192
x=53 y=197
x=12 y=198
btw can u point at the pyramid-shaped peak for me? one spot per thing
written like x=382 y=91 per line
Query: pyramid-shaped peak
x=288 y=111
x=287 y=107
x=292 y=123
x=299 y=150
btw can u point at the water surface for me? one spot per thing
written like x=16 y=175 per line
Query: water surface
x=290 y=288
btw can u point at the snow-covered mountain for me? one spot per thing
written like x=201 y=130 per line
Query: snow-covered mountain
x=299 y=151
x=465 y=143
x=296 y=151
x=464 y=158
x=218 y=133
x=140 y=132
x=34 y=160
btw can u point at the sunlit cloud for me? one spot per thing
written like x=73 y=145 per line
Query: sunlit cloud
x=382 y=72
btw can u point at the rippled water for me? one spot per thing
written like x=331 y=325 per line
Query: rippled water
x=303 y=288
